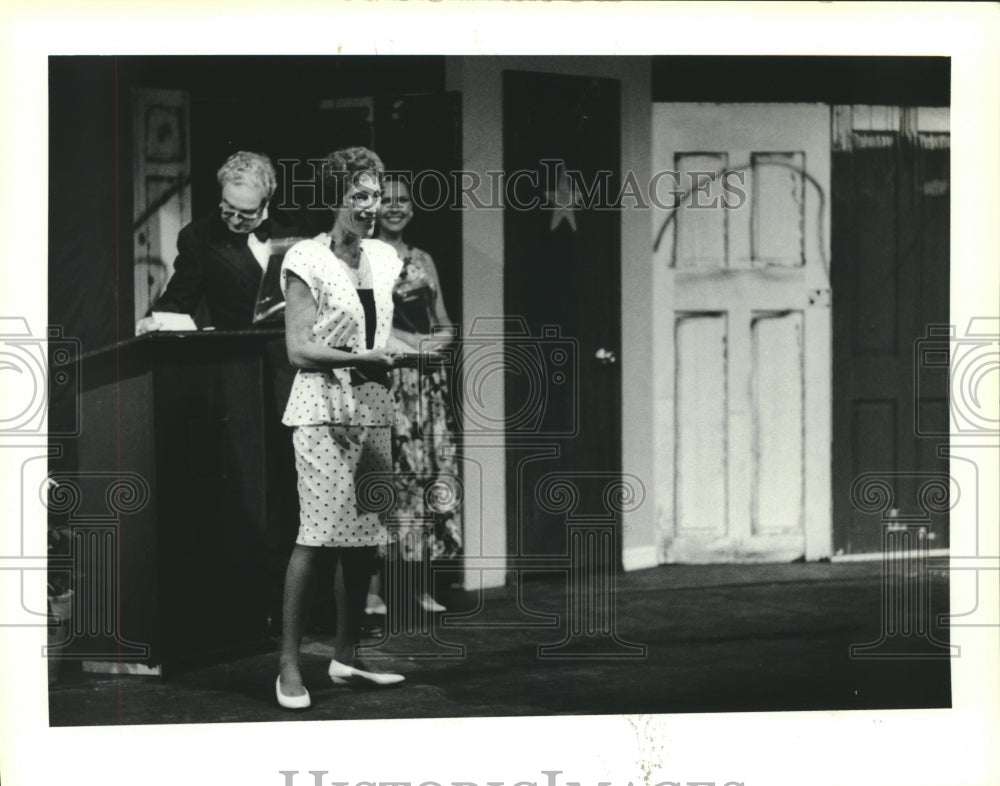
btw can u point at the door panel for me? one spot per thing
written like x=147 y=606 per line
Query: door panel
x=778 y=447
x=702 y=434
x=777 y=220
x=742 y=265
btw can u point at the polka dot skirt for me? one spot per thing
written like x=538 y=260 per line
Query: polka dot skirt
x=332 y=513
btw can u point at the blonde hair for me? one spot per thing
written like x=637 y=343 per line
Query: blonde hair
x=253 y=169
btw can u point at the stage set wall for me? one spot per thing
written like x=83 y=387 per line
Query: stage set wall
x=90 y=189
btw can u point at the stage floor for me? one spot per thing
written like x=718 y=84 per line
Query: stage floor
x=719 y=638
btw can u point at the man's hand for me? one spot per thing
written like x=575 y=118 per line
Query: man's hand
x=147 y=325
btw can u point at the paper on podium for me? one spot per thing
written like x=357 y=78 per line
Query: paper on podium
x=170 y=321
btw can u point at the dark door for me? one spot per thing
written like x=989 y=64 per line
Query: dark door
x=420 y=136
x=562 y=266
x=890 y=285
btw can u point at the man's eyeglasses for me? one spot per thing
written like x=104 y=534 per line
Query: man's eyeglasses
x=228 y=211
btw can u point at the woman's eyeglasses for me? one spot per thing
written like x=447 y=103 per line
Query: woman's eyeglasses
x=364 y=199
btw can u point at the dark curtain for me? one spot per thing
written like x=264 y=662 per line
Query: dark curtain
x=83 y=292
x=84 y=298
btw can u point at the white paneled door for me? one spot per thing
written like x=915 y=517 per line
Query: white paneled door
x=742 y=293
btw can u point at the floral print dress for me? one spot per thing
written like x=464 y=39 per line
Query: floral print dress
x=423 y=436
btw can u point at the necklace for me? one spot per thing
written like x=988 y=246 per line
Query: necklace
x=354 y=272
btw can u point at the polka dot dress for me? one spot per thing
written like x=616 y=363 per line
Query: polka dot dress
x=342 y=436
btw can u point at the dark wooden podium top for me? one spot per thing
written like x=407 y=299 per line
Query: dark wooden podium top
x=176 y=337
x=198 y=342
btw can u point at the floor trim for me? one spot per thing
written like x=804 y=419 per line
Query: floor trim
x=875 y=555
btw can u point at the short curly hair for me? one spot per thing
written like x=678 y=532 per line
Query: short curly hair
x=343 y=167
x=252 y=169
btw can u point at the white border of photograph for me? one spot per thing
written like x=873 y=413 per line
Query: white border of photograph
x=931 y=747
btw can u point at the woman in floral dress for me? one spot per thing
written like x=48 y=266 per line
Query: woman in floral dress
x=423 y=436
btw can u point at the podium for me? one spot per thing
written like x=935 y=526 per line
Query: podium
x=180 y=501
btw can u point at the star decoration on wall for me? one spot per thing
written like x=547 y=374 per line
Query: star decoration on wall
x=563 y=201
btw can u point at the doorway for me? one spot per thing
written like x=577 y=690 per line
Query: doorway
x=890 y=237
x=562 y=290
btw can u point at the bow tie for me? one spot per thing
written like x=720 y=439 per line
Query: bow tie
x=263 y=232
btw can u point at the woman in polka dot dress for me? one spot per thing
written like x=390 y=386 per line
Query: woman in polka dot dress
x=338 y=319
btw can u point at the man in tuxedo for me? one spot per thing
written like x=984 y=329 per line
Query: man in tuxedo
x=223 y=256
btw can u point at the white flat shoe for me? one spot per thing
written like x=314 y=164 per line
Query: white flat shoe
x=375 y=605
x=291 y=702
x=341 y=674
x=427 y=603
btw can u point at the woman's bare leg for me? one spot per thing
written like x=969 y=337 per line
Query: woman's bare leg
x=300 y=569
x=353 y=578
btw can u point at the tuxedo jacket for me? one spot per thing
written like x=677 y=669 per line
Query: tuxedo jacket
x=216 y=265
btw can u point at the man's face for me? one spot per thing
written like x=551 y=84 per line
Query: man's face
x=242 y=207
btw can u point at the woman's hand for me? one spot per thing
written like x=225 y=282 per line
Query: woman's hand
x=372 y=366
x=374 y=360
x=433 y=344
